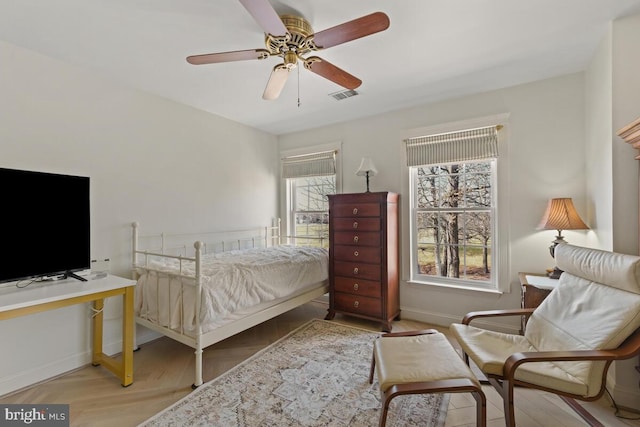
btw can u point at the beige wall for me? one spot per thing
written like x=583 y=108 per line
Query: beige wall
x=613 y=94
x=150 y=160
x=599 y=146
x=546 y=129
x=625 y=109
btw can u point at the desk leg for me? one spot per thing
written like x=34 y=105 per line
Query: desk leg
x=98 y=306
x=127 y=337
x=123 y=368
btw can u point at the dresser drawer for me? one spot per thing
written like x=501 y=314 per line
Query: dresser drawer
x=366 y=254
x=357 y=269
x=356 y=304
x=356 y=224
x=365 y=238
x=356 y=210
x=355 y=286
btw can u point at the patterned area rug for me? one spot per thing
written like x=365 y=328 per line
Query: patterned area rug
x=315 y=376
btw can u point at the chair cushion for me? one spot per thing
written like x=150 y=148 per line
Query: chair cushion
x=420 y=358
x=489 y=350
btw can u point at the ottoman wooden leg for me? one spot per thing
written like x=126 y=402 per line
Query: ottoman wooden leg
x=481 y=408
x=386 y=400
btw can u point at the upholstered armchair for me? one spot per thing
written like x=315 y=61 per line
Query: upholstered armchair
x=591 y=319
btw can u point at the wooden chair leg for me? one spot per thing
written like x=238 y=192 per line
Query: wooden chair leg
x=509 y=409
x=580 y=410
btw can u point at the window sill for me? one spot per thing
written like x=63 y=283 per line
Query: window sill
x=419 y=284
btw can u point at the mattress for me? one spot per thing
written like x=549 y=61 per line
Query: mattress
x=233 y=283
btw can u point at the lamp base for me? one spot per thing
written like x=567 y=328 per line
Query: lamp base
x=555 y=273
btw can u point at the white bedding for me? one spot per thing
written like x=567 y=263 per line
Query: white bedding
x=232 y=282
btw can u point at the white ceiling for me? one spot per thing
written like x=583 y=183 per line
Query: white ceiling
x=433 y=50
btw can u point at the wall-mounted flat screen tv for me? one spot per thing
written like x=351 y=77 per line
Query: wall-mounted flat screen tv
x=45 y=225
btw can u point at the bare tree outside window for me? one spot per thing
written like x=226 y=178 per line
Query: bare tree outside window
x=454 y=204
x=310 y=205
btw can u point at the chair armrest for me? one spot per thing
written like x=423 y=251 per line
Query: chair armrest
x=629 y=348
x=515 y=360
x=410 y=333
x=496 y=313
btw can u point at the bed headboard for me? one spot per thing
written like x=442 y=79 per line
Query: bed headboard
x=186 y=245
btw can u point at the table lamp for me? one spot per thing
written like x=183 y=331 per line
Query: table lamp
x=560 y=215
x=367 y=168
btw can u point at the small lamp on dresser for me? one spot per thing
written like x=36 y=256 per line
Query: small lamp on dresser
x=560 y=215
x=367 y=168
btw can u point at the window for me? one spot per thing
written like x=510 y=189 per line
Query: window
x=309 y=178
x=453 y=220
x=310 y=209
x=453 y=184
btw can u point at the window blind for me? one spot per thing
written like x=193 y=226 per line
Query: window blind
x=466 y=145
x=315 y=164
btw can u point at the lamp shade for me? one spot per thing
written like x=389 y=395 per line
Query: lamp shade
x=561 y=215
x=366 y=165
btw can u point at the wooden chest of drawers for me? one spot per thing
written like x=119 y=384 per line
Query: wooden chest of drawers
x=363 y=256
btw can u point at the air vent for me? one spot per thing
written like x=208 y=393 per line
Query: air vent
x=339 y=96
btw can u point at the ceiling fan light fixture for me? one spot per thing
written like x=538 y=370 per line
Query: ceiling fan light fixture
x=290 y=60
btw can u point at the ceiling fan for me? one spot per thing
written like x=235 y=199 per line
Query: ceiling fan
x=290 y=37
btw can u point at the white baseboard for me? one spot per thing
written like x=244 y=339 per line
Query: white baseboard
x=445 y=319
x=26 y=378
x=30 y=377
x=625 y=397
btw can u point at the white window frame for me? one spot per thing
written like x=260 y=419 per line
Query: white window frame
x=287 y=188
x=500 y=282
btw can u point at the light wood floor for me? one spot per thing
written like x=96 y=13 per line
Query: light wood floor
x=163 y=373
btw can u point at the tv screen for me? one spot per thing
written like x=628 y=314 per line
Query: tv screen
x=45 y=224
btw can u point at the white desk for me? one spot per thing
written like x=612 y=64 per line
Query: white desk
x=43 y=296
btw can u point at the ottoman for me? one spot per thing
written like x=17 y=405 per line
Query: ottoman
x=418 y=362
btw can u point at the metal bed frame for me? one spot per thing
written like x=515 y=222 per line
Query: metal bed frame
x=269 y=236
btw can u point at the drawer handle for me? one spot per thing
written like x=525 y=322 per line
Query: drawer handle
x=355 y=211
x=355 y=270
x=355 y=253
x=355 y=239
x=355 y=224
x=356 y=304
x=355 y=286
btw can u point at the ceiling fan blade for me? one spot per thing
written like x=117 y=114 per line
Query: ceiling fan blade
x=265 y=16
x=276 y=82
x=331 y=72
x=238 y=55
x=361 y=27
